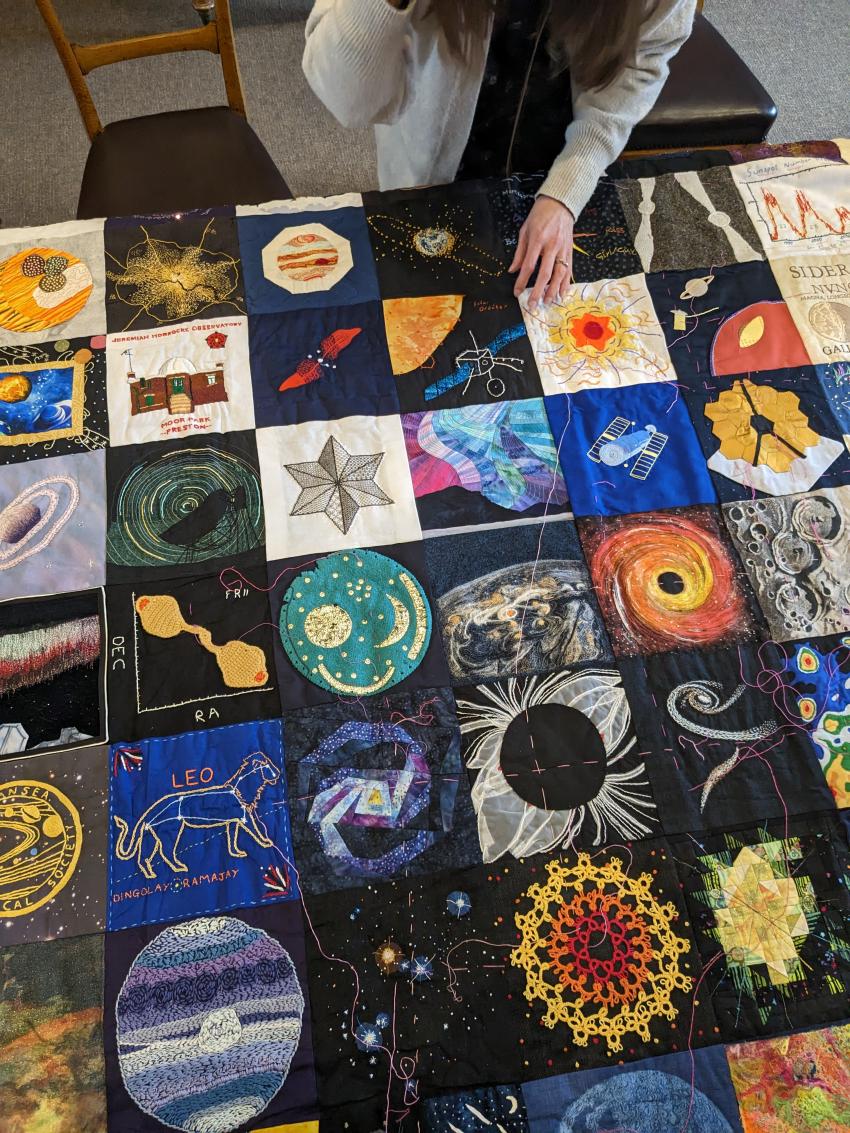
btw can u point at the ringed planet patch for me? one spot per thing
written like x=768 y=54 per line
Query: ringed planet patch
x=356 y=623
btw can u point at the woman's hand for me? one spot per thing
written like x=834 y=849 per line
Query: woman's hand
x=547 y=236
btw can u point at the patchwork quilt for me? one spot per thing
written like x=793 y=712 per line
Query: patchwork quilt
x=420 y=710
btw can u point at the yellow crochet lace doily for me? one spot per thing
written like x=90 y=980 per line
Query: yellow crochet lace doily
x=599 y=950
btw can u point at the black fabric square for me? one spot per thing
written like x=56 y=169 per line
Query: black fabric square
x=189 y=653
x=168 y=269
x=182 y=506
x=603 y=248
x=719 y=744
x=378 y=791
x=437 y=241
x=51 y=672
x=770 y=913
x=516 y=601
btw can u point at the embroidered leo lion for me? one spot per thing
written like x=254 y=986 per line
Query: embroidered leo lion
x=231 y=805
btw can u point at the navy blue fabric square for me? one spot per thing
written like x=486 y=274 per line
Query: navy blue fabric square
x=321 y=364
x=628 y=450
x=297 y=260
x=770 y=434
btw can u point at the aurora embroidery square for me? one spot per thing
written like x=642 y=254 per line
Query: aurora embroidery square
x=771 y=915
x=198 y=824
x=378 y=792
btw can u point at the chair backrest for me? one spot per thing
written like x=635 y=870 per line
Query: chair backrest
x=78 y=59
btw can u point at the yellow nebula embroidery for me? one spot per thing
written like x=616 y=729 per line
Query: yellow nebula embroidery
x=599 y=951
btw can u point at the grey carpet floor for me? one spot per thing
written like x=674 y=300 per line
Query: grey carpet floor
x=799 y=51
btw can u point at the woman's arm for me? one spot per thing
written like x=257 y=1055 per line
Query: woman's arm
x=601 y=125
x=355 y=58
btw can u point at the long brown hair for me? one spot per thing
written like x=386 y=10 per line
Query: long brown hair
x=596 y=39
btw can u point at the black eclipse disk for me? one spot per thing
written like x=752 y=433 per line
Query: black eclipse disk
x=553 y=757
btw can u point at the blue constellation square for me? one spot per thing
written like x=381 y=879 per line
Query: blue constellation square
x=628 y=450
x=670 y=1092
x=198 y=824
x=379 y=792
x=293 y=259
x=835 y=381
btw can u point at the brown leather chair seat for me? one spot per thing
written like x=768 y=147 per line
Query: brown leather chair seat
x=177 y=161
x=711 y=98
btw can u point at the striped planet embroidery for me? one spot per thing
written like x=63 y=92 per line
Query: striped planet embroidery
x=306 y=257
x=208 y=1021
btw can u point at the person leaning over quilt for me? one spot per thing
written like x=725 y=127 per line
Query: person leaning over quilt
x=478 y=88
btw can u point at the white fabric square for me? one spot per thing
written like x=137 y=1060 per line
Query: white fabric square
x=182 y=380
x=332 y=485
x=602 y=334
x=52 y=282
x=798 y=205
x=816 y=290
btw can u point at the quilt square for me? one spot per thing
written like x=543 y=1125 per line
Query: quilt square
x=189 y=653
x=52 y=399
x=669 y=580
x=484 y=464
x=628 y=450
x=654 y=1095
x=769 y=435
x=532 y=611
x=51 y=282
x=189 y=379
x=601 y=334
x=817 y=291
x=53 y=808
x=602 y=245
x=51 y=1035
x=794 y=548
x=330 y=485
x=172 y=269
x=720 y=744
x=378 y=792
x=491 y=1105
x=554 y=762
x=794 y=1084
x=835 y=383
x=52 y=525
x=198 y=824
x=451 y=351
x=207 y=1023
x=816 y=673
x=769 y=907
x=300 y=256
x=727 y=320
x=179 y=506
x=688 y=219
x=441 y=240
x=354 y=624
x=51 y=672
x=319 y=364
x=798 y=205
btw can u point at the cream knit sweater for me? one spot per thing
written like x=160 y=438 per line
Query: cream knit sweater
x=373 y=64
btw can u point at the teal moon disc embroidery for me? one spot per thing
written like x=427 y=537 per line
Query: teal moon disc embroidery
x=357 y=623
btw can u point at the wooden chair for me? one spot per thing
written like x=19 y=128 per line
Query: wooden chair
x=170 y=162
